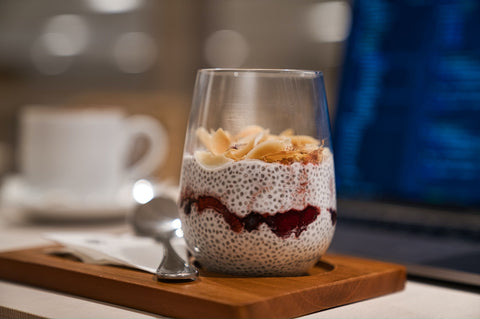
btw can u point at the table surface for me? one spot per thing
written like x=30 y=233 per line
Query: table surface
x=418 y=300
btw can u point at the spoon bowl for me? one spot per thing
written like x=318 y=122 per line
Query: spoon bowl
x=159 y=219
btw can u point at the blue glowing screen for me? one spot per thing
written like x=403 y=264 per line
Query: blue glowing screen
x=407 y=123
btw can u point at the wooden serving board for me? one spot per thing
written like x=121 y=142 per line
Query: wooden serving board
x=337 y=280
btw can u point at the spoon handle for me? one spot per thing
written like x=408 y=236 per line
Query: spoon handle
x=173 y=267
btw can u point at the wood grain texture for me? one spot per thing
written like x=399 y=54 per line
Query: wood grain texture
x=335 y=281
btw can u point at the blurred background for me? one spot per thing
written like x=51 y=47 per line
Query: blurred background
x=143 y=54
x=404 y=95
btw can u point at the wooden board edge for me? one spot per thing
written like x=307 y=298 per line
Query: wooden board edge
x=373 y=285
x=314 y=300
x=145 y=298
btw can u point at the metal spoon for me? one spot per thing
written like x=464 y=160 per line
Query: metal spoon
x=159 y=219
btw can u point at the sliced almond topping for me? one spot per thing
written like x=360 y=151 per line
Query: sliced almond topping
x=283 y=156
x=254 y=142
x=249 y=130
x=267 y=147
x=204 y=137
x=304 y=139
x=220 y=142
x=209 y=159
x=261 y=137
x=287 y=132
x=238 y=151
x=307 y=148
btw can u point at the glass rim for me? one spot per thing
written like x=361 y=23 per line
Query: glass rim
x=312 y=73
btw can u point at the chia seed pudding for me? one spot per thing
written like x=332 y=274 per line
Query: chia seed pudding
x=257 y=218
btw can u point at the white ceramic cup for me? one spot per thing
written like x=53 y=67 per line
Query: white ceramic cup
x=84 y=151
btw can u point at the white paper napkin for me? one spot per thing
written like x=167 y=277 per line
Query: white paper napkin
x=99 y=248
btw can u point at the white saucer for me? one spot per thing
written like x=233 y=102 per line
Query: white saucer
x=17 y=199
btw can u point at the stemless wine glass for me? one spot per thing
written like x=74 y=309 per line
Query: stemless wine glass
x=257 y=188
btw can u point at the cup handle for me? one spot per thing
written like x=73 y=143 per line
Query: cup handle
x=157 y=136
